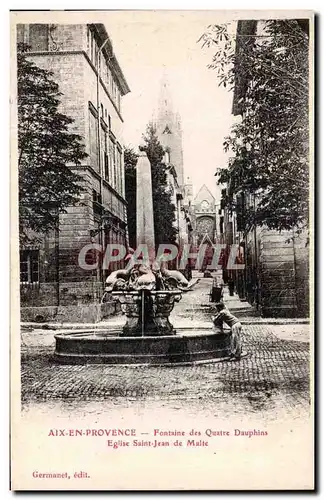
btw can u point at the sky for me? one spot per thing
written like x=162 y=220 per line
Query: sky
x=149 y=44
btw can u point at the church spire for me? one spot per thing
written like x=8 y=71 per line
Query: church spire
x=168 y=127
x=165 y=105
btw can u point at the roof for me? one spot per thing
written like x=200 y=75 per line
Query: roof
x=113 y=62
x=203 y=193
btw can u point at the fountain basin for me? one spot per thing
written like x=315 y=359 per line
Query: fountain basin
x=188 y=345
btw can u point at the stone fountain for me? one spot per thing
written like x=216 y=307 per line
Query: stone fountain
x=147 y=291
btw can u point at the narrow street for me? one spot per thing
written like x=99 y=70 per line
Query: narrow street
x=161 y=153
x=273 y=379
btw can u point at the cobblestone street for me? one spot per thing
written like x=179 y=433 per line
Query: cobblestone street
x=272 y=379
x=161 y=251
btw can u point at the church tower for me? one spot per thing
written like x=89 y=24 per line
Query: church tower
x=188 y=191
x=169 y=131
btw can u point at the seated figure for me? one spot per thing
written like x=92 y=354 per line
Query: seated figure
x=225 y=316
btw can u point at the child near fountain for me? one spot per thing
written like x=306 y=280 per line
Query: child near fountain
x=225 y=316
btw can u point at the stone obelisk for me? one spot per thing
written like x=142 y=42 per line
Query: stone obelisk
x=144 y=206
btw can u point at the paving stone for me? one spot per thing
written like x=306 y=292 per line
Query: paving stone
x=273 y=369
x=274 y=375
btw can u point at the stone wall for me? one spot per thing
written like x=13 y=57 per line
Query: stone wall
x=89 y=313
x=62 y=282
x=283 y=275
x=52 y=37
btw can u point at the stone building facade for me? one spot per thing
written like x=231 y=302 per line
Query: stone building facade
x=53 y=285
x=275 y=278
x=204 y=216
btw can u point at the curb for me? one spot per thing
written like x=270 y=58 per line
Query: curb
x=100 y=326
x=274 y=321
x=63 y=326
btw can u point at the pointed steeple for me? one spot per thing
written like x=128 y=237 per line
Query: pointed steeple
x=188 y=190
x=165 y=98
x=168 y=127
x=178 y=122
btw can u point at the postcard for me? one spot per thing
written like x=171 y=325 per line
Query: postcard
x=162 y=308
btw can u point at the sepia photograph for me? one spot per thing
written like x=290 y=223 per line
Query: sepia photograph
x=162 y=250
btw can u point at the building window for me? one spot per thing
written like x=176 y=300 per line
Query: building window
x=205 y=206
x=115 y=168
x=106 y=75
x=119 y=170
x=38 y=37
x=29 y=266
x=111 y=85
x=117 y=177
x=96 y=203
x=88 y=42
x=112 y=157
x=102 y=64
x=93 y=140
x=106 y=161
x=22 y=33
x=167 y=130
x=92 y=47
x=105 y=156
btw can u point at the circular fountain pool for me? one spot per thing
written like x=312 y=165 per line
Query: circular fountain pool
x=187 y=346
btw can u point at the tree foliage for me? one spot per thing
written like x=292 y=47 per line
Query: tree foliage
x=269 y=73
x=46 y=150
x=164 y=210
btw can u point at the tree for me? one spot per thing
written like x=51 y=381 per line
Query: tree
x=164 y=210
x=130 y=161
x=46 y=151
x=268 y=72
